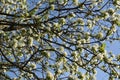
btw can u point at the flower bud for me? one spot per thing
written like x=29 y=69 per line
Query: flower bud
x=52 y=7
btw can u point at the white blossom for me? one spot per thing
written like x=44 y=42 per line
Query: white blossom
x=49 y=76
x=61 y=48
x=30 y=41
x=15 y=43
x=76 y=2
x=65 y=54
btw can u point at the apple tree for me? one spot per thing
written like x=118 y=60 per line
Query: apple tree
x=59 y=39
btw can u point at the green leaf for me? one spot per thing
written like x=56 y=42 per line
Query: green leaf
x=103 y=45
x=118 y=23
x=102 y=48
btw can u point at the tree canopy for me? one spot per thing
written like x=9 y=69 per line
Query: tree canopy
x=58 y=39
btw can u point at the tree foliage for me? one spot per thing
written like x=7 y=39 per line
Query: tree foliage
x=58 y=39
